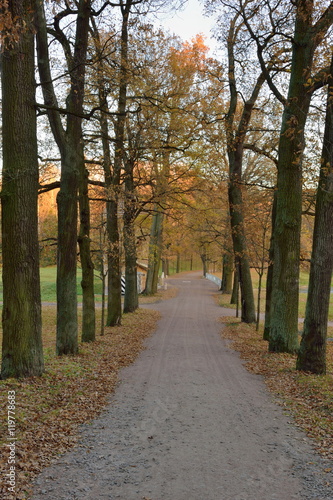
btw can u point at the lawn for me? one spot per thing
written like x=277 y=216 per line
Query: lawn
x=48 y=276
x=303 y=283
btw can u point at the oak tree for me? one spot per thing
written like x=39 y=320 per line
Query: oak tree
x=22 y=354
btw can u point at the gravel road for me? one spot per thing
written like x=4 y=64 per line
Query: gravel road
x=188 y=422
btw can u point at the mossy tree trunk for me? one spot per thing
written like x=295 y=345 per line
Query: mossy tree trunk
x=283 y=333
x=22 y=354
x=312 y=352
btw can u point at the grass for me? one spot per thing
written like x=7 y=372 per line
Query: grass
x=73 y=390
x=307 y=397
x=224 y=299
x=48 y=276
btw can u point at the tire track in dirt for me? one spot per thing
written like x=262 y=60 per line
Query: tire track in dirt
x=188 y=422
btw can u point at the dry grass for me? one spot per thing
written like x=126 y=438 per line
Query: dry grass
x=308 y=397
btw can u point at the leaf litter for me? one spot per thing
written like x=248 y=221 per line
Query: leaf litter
x=75 y=389
x=308 y=398
x=72 y=391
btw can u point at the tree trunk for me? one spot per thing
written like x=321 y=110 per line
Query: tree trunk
x=248 y=314
x=155 y=252
x=22 y=354
x=114 y=300
x=103 y=271
x=131 y=300
x=269 y=279
x=235 y=286
x=114 y=274
x=283 y=336
x=227 y=269
x=261 y=272
x=112 y=230
x=67 y=326
x=87 y=266
x=70 y=145
x=204 y=260
x=165 y=266
x=178 y=263
x=235 y=147
x=103 y=300
x=312 y=352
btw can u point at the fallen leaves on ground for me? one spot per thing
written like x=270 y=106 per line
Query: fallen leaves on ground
x=307 y=397
x=72 y=391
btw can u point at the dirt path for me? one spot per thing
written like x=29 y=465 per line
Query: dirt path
x=188 y=422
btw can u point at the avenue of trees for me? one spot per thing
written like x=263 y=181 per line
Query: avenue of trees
x=159 y=148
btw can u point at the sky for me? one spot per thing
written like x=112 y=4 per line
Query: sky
x=188 y=22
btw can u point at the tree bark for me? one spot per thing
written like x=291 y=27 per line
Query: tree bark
x=22 y=354
x=269 y=279
x=248 y=314
x=178 y=267
x=70 y=145
x=235 y=148
x=312 y=352
x=87 y=266
x=235 y=287
x=131 y=299
x=112 y=229
x=227 y=271
x=155 y=252
x=114 y=273
x=111 y=185
x=67 y=326
x=283 y=335
x=114 y=276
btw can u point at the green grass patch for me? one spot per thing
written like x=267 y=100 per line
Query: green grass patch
x=224 y=299
x=48 y=279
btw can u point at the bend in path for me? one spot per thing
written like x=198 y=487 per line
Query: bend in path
x=188 y=422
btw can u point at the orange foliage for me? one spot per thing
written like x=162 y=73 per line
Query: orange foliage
x=190 y=57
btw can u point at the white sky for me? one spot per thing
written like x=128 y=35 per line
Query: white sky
x=188 y=22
